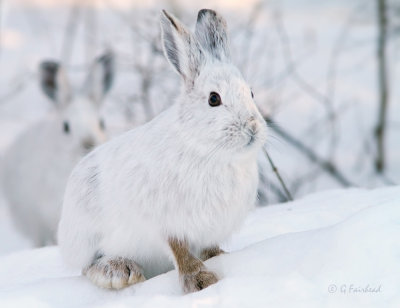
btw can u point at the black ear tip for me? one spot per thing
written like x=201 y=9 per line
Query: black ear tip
x=106 y=58
x=170 y=18
x=50 y=66
x=204 y=12
x=46 y=64
x=167 y=15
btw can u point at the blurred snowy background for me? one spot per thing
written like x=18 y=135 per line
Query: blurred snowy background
x=324 y=75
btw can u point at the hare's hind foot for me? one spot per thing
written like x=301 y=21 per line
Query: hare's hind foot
x=193 y=274
x=114 y=272
x=193 y=282
x=211 y=252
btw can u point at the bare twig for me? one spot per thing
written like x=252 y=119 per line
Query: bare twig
x=91 y=31
x=250 y=31
x=275 y=169
x=275 y=189
x=291 y=67
x=309 y=178
x=335 y=54
x=314 y=93
x=1 y=28
x=383 y=86
x=70 y=31
x=326 y=165
x=21 y=81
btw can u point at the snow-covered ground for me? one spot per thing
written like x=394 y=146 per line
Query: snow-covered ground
x=331 y=249
x=314 y=252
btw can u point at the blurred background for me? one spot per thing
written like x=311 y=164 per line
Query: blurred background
x=324 y=76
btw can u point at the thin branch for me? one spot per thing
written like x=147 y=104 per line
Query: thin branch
x=326 y=165
x=70 y=32
x=309 y=178
x=275 y=189
x=338 y=47
x=91 y=31
x=380 y=128
x=288 y=56
x=301 y=82
x=250 y=31
x=17 y=86
x=1 y=28
x=275 y=169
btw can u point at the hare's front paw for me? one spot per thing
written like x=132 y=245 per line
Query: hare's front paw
x=198 y=281
x=114 y=273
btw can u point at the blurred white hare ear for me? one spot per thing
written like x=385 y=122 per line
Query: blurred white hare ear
x=101 y=77
x=180 y=47
x=54 y=82
x=211 y=32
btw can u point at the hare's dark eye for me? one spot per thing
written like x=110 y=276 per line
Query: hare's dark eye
x=102 y=124
x=214 y=100
x=252 y=94
x=66 y=127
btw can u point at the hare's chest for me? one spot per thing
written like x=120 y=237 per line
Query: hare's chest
x=234 y=186
x=223 y=203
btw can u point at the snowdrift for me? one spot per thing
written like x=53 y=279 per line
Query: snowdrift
x=331 y=249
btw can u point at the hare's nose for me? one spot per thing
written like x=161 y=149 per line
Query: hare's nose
x=88 y=143
x=252 y=125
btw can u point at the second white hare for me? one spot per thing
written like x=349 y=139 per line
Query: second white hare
x=37 y=165
x=169 y=192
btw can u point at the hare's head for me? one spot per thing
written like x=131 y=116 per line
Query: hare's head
x=79 y=113
x=217 y=105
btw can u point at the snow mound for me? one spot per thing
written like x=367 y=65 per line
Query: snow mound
x=331 y=249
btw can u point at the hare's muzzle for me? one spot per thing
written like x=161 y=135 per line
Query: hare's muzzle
x=88 y=144
x=251 y=130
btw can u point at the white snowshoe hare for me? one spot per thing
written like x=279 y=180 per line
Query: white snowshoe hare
x=38 y=164
x=168 y=192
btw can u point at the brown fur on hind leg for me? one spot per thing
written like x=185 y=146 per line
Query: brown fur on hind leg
x=193 y=275
x=114 y=273
x=211 y=252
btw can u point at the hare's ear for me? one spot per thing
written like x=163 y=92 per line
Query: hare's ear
x=54 y=82
x=101 y=77
x=180 y=47
x=211 y=32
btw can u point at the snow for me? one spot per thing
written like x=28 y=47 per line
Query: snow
x=314 y=252
x=286 y=255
